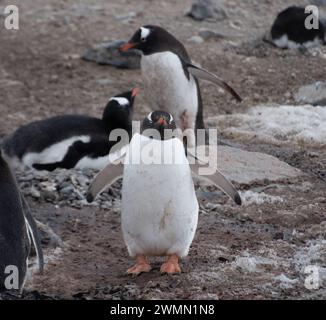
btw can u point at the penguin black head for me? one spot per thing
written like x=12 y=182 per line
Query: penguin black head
x=152 y=39
x=119 y=110
x=160 y=121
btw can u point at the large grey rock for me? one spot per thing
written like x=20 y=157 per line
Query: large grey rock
x=206 y=10
x=314 y=94
x=246 y=167
x=109 y=54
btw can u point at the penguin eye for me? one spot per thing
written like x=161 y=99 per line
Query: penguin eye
x=144 y=33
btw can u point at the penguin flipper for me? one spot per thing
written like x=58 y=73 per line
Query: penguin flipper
x=33 y=231
x=218 y=179
x=206 y=75
x=111 y=173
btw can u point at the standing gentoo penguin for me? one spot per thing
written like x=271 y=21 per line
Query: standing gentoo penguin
x=289 y=31
x=17 y=229
x=70 y=141
x=170 y=79
x=159 y=209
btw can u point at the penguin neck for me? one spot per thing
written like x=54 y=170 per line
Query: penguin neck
x=113 y=121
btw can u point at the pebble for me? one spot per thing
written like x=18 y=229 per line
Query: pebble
x=196 y=39
x=210 y=34
x=206 y=10
x=108 y=53
x=65 y=188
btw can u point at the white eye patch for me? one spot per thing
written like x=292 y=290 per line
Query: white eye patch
x=144 y=33
x=121 y=100
x=149 y=117
x=171 y=118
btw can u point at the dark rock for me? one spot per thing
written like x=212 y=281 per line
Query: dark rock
x=109 y=54
x=206 y=10
x=278 y=236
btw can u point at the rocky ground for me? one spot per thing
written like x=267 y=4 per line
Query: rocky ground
x=258 y=251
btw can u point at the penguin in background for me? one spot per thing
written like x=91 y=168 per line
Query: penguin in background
x=70 y=141
x=170 y=79
x=17 y=229
x=289 y=31
x=159 y=209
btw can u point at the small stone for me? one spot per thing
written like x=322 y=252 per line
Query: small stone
x=48 y=195
x=104 y=82
x=34 y=193
x=210 y=34
x=126 y=17
x=205 y=10
x=196 y=39
x=278 y=236
x=67 y=190
x=82 y=181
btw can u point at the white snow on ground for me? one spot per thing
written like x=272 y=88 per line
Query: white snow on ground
x=285 y=282
x=252 y=263
x=249 y=197
x=277 y=124
x=311 y=255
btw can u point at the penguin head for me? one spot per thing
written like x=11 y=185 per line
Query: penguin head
x=119 y=110
x=151 y=39
x=160 y=121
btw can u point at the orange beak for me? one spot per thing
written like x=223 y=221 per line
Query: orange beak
x=162 y=122
x=134 y=92
x=127 y=46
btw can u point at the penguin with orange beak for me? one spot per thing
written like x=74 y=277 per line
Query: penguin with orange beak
x=159 y=208
x=71 y=141
x=170 y=79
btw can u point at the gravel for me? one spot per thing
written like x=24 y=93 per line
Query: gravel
x=64 y=188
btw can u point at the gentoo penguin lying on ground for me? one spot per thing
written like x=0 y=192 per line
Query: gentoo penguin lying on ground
x=159 y=210
x=170 y=79
x=70 y=141
x=17 y=229
x=289 y=31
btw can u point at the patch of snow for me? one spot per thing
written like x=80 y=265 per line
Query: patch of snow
x=277 y=124
x=252 y=264
x=249 y=197
x=285 y=282
x=313 y=254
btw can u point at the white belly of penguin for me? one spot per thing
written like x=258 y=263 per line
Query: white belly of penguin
x=54 y=153
x=167 y=87
x=159 y=204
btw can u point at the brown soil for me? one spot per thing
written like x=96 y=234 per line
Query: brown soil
x=42 y=75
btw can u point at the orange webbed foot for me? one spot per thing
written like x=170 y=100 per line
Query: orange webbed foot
x=142 y=265
x=171 y=266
